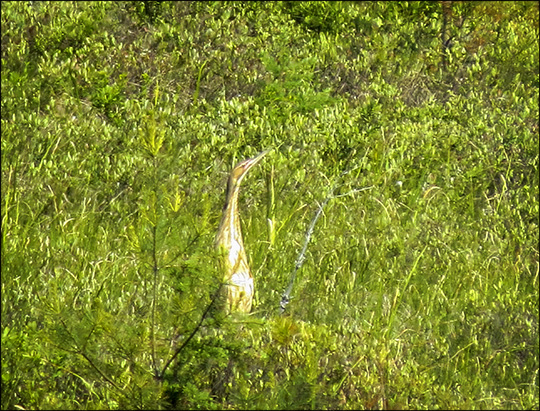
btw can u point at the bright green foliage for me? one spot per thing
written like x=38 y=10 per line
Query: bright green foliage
x=120 y=123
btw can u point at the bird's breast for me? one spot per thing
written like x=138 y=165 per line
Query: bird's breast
x=243 y=280
x=234 y=251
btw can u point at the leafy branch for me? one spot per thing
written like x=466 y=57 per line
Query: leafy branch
x=159 y=375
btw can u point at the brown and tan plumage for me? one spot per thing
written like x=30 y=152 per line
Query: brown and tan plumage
x=238 y=285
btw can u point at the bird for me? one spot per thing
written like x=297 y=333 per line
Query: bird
x=237 y=289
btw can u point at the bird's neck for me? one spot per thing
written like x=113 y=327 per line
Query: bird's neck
x=230 y=212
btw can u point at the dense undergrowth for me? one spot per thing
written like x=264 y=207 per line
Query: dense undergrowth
x=417 y=121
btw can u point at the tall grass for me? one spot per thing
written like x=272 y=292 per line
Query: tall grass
x=415 y=125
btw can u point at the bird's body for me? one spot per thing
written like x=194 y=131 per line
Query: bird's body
x=238 y=281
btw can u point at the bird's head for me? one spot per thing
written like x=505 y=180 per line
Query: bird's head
x=241 y=169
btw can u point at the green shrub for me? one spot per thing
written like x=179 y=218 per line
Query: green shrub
x=414 y=124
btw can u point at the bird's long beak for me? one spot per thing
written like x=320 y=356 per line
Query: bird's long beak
x=257 y=158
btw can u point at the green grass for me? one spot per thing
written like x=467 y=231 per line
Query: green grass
x=120 y=123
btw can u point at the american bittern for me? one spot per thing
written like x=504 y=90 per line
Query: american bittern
x=238 y=280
